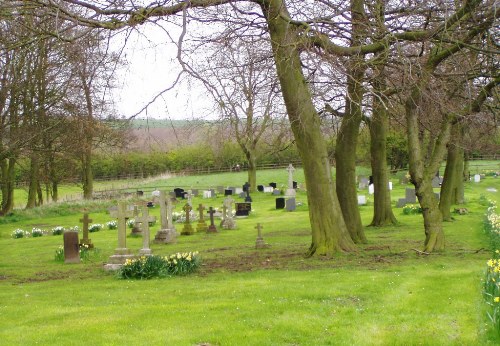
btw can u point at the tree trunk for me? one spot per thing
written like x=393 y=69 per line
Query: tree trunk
x=87 y=176
x=33 y=182
x=8 y=177
x=459 y=182
x=55 y=191
x=347 y=139
x=329 y=232
x=434 y=235
x=252 y=171
x=448 y=188
x=382 y=209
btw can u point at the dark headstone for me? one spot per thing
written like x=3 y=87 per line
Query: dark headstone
x=273 y=185
x=401 y=203
x=435 y=182
x=228 y=192
x=410 y=196
x=179 y=193
x=140 y=193
x=370 y=180
x=71 y=247
x=260 y=188
x=243 y=209
x=280 y=203
x=246 y=188
x=294 y=184
x=290 y=204
x=150 y=204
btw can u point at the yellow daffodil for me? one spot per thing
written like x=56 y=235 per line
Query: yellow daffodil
x=496 y=299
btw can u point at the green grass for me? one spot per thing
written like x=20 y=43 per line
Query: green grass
x=384 y=294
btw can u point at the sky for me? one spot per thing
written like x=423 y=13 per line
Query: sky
x=153 y=67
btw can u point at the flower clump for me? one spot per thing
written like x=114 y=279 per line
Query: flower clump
x=148 y=267
x=58 y=230
x=95 y=227
x=411 y=209
x=492 y=279
x=36 y=232
x=112 y=224
x=19 y=233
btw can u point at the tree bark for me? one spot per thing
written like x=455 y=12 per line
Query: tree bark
x=329 y=232
x=33 y=182
x=347 y=139
x=252 y=170
x=8 y=177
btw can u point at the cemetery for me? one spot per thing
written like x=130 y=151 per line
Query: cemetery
x=250 y=276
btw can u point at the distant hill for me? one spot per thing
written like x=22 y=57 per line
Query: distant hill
x=163 y=123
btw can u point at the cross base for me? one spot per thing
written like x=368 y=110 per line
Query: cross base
x=212 y=229
x=187 y=229
x=145 y=252
x=260 y=243
x=201 y=227
x=290 y=193
x=166 y=236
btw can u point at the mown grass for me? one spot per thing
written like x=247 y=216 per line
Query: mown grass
x=385 y=294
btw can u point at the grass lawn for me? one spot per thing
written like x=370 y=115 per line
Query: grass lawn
x=386 y=293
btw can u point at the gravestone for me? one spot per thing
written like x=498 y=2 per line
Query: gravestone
x=207 y=194
x=260 y=188
x=195 y=192
x=167 y=233
x=85 y=240
x=435 y=182
x=401 y=203
x=242 y=194
x=211 y=227
x=237 y=191
x=410 y=195
x=135 y=228
x=223 y=216
x=477 y=178
x=201 y=226
x=280 y=203
x=294 y=184
x=188 y=228
x=189 y=196
x=290 y=204
x=274 y=185
x=246 y=188
x=212 y=191
x=371 y=189
x=259 y=243
x=144 y=221
x=268 y=189
x=363 y=182
x=71 y=247
x=233 y=189
x=228 y=192
x=370 y=180
x=390 y=185
x=290 y=192
x=361 y=200
x=220 y=190
x=122 y=253
x=243 y=209
x=276 y=192
x=229 y=222
x=179 y=193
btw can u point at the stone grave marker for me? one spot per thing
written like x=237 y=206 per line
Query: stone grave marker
x=361 y=200
x=71 y=247
x=290 y=192
x=477 y=178
x=260 y=188
x=195 y=192
x=238 y=191
x=259 y=243
x=179 y=193
x=189 y=196
x=229 y=222
x=246 y=188
x=223 y=216
x=390 y=185
x=363 y=182
x=276 y=192
x=122 y=253
x=371 y=189
x=207 y=194
x=188 y=228
x=290 y=204
x=280 y=203
x=202 y=225
x=410 y=195
x=435 y=182
x=167 y=233
x=136 y=229
x=233 y=190
x=268 y=189
x=273 y=185
x=85 y=240
x=144 y=221
x=294 y=184
x=220 y=190
x=211 y=227
x=243 y=209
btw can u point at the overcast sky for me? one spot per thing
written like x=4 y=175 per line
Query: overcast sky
x=152 y=67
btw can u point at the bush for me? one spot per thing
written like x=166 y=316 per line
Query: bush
x=58 y=230
x=148 y=267
x=19 y=233
x=36 y=232
x=95 y=227
x=491 y=290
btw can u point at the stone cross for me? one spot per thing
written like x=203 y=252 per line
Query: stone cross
x=212 y=227
x=187 y=209
x=189 y=195
x=201 y=226
x=163 y=210
x=290 y=170
x=228 y=203
x=201 y=208
x=85 y=240
x=122 y=214
x=170 y=206
x=259 y=228
x=144 y=221
x=247 y=190
x=259 y=243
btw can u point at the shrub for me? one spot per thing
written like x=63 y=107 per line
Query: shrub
x=36 y=232
x=411 y=209
x=491 y=290
x=112 y=224
x=148 y=267
x=58 y=230
x=19 y=233
x=95 y=227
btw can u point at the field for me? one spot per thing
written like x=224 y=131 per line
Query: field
x=386 y=293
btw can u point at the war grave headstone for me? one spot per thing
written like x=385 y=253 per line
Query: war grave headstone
x=259 y=242
x=201 y=226
x=122 y=253
x=260 y=188
x=211 y=228
x=229 y=222
x=167 y=233
x=71 y=247
x=246 y=189
x=85 y=240
x=290 y=192
x=361 y=200
x=179 y=193
x=280 y=203
x=144 y=221
x=187 y=229
x=290 y=204
x=243 y=209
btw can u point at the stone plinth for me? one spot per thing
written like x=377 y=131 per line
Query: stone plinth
x=166 y=236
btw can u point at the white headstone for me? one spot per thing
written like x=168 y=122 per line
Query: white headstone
x=390 y=185
x=155 y=193
x=207 y=194
x=477 y=178
x=371 y=189
x=362 y=200
x=269 y=189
